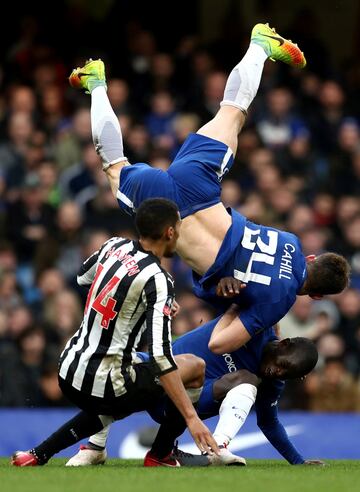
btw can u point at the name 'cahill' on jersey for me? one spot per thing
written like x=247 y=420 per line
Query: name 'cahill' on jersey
x=268 y=260
x=129 y=293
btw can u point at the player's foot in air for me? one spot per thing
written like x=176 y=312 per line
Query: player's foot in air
x=24 y=458
x=88 y=77
x=226 y=458
x=87 y=456
x=276 y=47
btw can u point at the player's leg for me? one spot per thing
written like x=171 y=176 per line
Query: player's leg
x=95 y=415
x=237 y=391
x=206 y=157
x=129 y=184
x=192 y=373
x=79 y=427
x=107 y=137
x=240 y=90
x=93 y=452
x=243 y=82
x=105 y=125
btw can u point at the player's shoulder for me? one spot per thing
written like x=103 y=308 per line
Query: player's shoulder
x=113 y=243
x=118 y=240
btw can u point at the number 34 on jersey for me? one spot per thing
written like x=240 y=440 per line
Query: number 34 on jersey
x=264 y=252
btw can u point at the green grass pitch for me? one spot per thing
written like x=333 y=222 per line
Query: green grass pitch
x=130 y=476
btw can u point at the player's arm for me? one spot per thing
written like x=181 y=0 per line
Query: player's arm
x=269 y=423
x=174 y=388
x=163 y=363
x=87 y=270
x=229 y=333
x=158 y=324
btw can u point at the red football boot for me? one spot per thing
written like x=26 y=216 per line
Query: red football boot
x=24 y=458
x=169 y=460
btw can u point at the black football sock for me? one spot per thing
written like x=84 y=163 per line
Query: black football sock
x=172 y=426
x=82 y=425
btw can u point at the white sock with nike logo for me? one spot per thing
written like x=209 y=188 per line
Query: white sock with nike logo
x=105 y=128
x=234 y=411
x=244 y=80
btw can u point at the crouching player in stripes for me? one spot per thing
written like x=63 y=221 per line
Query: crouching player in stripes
x=234 y=382
x=129 y=293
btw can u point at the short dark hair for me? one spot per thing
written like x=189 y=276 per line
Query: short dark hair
x=328 y=274
x=154 y=216
x=301 y=356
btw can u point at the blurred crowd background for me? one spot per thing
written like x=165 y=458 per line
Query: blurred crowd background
x=297 y=168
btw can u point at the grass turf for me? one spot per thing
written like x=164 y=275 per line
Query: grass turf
x=130 y=476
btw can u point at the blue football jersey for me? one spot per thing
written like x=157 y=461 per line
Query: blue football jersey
x=269 y=261
x=246 y=357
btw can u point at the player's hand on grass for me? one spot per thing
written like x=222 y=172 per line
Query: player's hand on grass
x=229 y=287
x=315 y=462
x=175 y=309
x=202 y=436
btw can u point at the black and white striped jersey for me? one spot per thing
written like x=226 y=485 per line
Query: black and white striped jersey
x=129 y=293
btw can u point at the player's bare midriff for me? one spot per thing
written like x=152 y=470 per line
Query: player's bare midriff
x=201 y=236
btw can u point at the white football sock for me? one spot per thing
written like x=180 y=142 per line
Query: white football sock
x=233 y=412
x=100 y=438
x=244 y=80
x=106 y=130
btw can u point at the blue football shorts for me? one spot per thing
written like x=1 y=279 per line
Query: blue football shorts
x=193 y=181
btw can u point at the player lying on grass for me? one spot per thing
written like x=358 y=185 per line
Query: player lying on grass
x=216 y=242
x=233 y=382
x=129 y=292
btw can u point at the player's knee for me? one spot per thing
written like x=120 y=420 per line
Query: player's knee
x=240 y=377
x=229 y=381
x=199 y=372
x=192 y=369
x=197 y=366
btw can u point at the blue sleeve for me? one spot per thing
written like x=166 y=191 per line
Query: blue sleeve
x=251 y=320
x=261 y=315
x=268 y=422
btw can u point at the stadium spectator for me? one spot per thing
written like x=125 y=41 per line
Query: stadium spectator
x=63 y=315
x=25 y=360
x=71 y=139
x=29 y=219
x=333 y=389
x=118 y=91
x=278 y=126
x=13 y=151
